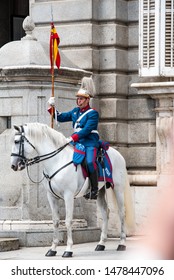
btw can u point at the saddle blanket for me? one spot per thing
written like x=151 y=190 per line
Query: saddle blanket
x=104 y=174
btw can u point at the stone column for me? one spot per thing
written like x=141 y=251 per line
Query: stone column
x=163 y=93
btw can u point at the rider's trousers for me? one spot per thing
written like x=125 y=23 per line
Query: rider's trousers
x=91 y=154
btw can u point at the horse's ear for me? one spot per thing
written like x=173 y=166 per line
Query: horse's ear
x=16 y=128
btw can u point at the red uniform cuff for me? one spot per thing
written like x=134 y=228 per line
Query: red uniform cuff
x=75 y=137
x=51 y=110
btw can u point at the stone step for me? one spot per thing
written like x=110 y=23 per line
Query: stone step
x=12 y=225
x=43 y=237
x=40 y=233
x=8 y=244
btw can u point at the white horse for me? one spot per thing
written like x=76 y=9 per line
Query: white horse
x=67 y=183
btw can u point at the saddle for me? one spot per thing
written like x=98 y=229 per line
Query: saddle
x=103 y=162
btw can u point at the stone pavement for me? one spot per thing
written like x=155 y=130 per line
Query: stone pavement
x=84 y=251
x=32 y=261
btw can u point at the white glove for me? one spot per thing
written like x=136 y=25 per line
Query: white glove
x=69 y=139
x=51 y=101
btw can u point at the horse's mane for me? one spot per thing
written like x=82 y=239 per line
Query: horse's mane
x=38 y=130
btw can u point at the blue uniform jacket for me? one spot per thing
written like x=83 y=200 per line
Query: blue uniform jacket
x=86 y=132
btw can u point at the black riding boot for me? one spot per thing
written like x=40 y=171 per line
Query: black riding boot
x=93 y=177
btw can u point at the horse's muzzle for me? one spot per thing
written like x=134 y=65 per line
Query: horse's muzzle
x=20 y=166
x=14 y=167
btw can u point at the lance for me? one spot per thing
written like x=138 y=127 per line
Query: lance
x=52 y=77
x=54 y=58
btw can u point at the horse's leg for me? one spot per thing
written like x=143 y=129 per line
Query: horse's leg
x=69 y=207
x=53 y=201
x=119 y=192
x=101 y=201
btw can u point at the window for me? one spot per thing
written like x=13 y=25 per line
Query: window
x=5 y=123
x=17 y=30
x=156 y=37
x=167 y=44
x=12 y=14
x=19 y=10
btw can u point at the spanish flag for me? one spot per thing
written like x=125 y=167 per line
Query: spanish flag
x=54 y=50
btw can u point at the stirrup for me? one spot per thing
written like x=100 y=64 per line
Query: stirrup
x=91 y=195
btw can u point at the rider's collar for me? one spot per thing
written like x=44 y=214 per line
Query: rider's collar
x=85 y=109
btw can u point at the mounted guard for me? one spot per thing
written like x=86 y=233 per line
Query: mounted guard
x=53 y=150
x=85 y=123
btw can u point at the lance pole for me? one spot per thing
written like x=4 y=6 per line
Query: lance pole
x=52 y=67
x=52 y=79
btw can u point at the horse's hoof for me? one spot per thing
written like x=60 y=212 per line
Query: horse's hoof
x=50 y=253
x=67 y=254
x=121 y=247
x=100 y=248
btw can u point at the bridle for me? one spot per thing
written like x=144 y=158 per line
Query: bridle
x=30 y=161
x=37 y=159
x=23 y=138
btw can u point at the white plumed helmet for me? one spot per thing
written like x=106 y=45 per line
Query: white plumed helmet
x=87 y=88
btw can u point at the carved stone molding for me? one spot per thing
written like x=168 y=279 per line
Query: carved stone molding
x=163 y=93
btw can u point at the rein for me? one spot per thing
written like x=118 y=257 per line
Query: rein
x=38 y=159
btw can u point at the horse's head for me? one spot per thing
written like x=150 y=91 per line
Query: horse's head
x=21 y=148
x=34 y=137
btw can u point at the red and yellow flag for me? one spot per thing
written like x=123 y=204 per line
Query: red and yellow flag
x=54 y=47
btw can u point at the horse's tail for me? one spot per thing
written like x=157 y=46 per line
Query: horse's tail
x=129 y=210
